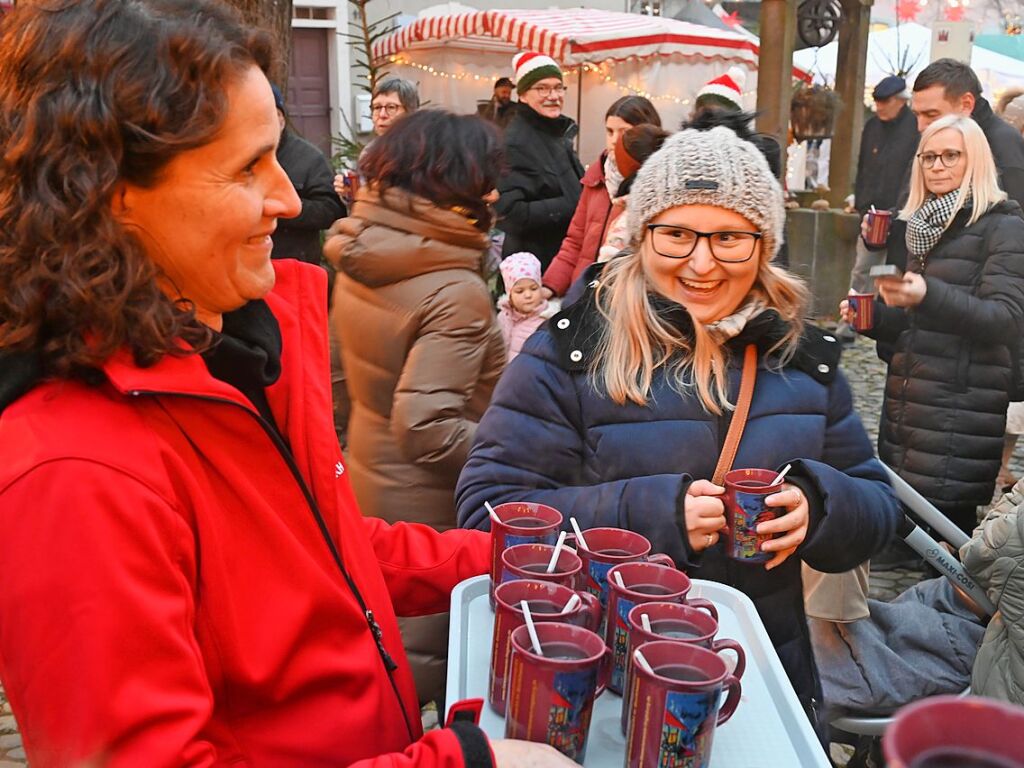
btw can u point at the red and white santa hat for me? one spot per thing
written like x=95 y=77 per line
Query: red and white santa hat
x=725 y=90
x=531 y=67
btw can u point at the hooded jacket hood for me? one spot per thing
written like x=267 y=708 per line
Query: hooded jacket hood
x=396 y=235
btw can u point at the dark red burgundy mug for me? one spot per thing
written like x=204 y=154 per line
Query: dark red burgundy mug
x=530 y=561
x=546 y=601
x=520 y=523
x=606 y=548
x=644 y=583
x=879 y=223
x=673 y=712
x=679 y=623
x=961 y=731
x=863 y=306
x=551 y=697
x=745 y=492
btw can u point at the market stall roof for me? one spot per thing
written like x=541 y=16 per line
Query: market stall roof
x=908 y=48
x=574 y=36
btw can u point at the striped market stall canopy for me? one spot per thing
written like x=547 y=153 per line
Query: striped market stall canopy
x=574 y=36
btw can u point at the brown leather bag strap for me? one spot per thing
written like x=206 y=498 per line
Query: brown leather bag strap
x=739 y=416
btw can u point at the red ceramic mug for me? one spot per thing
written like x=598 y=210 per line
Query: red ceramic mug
x=863 y=307
x=546 y=601
x=551 y=697
x=674 y=710
x=946 y=731
x=745 y=492
x=643 y=583
x=606 y=548
x=680 y=623
x=530 y=561
x=879 y=223
x=520 y=523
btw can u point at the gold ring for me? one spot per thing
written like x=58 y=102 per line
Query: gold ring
x=710 y=539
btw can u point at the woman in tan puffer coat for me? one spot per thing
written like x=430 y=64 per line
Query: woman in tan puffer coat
x=995 y=557
x=418 y=336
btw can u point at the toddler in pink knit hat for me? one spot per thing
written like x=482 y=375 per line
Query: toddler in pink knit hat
x=523 y=308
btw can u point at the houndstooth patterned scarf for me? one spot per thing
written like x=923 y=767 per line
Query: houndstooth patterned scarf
x=926 y=225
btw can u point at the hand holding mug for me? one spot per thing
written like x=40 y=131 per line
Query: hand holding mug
x=514 y=753
x=907 y=292
x=792 y=525
x=339 y=185
x=846 y=313
x=703 y=514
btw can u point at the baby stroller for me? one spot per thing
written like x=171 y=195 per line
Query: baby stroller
x=921 y=644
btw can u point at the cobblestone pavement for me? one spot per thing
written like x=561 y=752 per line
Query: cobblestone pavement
x=866 y=374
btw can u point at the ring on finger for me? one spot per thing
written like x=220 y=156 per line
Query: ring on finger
x=709 y=539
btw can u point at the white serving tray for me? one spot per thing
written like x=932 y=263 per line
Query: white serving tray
x=768 y=730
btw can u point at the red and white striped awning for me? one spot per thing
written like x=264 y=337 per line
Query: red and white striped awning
x=574 y=36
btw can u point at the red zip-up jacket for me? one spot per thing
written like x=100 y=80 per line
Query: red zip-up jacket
x=167 y=594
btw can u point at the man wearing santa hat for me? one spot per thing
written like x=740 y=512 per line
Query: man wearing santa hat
x=541 y=185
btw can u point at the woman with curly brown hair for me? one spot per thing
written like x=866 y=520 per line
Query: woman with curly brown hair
x=187 y=578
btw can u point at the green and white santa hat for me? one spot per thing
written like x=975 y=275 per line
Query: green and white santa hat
x=531 y=67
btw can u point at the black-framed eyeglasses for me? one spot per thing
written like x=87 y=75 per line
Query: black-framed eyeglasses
x=675 y=242
x=949 y=158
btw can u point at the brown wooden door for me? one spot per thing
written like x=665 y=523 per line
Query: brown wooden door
x=309 y=102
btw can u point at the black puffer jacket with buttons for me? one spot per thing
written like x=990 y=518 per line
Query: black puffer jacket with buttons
x=952 y=361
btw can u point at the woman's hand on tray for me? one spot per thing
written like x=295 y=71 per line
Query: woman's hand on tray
x=512 y=753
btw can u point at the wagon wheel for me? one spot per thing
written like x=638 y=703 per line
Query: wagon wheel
x=817 y=21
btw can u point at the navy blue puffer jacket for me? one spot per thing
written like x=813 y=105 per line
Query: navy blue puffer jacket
x=549 y=436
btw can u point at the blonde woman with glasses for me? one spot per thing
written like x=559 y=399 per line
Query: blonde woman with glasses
x=952 y=323
x=616 y=412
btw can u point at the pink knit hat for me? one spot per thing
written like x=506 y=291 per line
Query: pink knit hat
x=519 y=266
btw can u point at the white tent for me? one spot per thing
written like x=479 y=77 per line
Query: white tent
x=456 y=53
x=908 y=47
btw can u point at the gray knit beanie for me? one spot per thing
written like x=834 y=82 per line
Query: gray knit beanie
x=713 y=167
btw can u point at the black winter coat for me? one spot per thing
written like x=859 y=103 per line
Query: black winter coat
x=951 y=367
x=541 y=185
x=887 y=150
x=313 y=179
x=550 y=436
x=1007 y=149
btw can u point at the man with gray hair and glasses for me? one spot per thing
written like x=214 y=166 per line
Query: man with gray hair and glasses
x=541 y=187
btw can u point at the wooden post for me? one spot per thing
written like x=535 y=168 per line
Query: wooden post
x=851 y=63
x=775 y=69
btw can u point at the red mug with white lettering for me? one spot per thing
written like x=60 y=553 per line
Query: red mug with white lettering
x=676 y=704
x=551 y=695
x=641 y=583
x=547 y=602
x=606 y=548
x=530 y=561
x=680 y=623
x=520 y=522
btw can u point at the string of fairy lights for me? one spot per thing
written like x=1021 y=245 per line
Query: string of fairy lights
x=604 y=71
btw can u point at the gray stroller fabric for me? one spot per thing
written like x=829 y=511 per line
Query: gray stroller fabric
x=922 y=643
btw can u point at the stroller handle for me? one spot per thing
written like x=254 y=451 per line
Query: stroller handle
x=945 y=564
x=926 y=511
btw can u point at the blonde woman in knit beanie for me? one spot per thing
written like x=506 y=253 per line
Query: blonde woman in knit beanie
x=616 y=411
